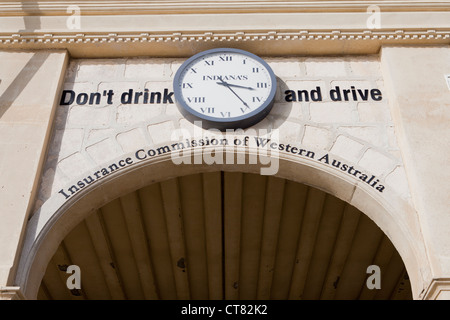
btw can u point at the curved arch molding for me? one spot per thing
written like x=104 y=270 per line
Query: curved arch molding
x=57 y=216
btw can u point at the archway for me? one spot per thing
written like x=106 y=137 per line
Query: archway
x=226 y=235
x=54 y=222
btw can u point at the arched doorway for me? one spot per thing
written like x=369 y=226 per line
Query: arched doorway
x=226 y=235
x=53 y=224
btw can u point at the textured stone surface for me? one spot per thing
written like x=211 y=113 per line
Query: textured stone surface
x=359 y=132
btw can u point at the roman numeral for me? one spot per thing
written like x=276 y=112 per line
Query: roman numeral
x=209 y=62
x=194 y=70
x=261 y=85
x=207 y=110
x=196 y=99
x=255 y=70
x=226 y=58
x=256 y=99
x=225 y=114
x=187 y=85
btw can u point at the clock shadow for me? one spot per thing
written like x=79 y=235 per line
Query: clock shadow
x=280 y=111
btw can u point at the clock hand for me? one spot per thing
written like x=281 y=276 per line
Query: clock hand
x=228 y=86
x=223 y=83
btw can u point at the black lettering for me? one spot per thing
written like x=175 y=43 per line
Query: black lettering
x=316 y=95
x=325 y=157
x=376 y=94
x=363 y=177
x=290 y=96
x=138 y=156
x=95 y=95
x=167 y=96
x=64 y=194
x=336 y=163
x=346 y=92
x=355 y=97
x=163 y=149
x=71 y=94
x=364 y=95
x=335 y=94
x=310 y=154
x=73 y=189
x=126 y=97
x=82 y=99
x=303 y=94
x=110 y=95
x=261 y=141
x=177 y=145
x=156 y=95
x=136 y=97
x=90 y=180
x=113 y=167
x=145 y=96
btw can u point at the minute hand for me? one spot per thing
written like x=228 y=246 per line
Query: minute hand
x=223 y=83
x=228 y=86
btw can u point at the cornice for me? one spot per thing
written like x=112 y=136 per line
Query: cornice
x=169 y=28
x=43 y=8
x=303 y=35
x=264 y=43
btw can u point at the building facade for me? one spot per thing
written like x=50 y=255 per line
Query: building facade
x=339 y=192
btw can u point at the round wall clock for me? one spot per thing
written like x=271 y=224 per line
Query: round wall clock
x=225 y=88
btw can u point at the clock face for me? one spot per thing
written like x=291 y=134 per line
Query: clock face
x=226 y=88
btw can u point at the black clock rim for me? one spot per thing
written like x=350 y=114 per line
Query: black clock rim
x=244 y=121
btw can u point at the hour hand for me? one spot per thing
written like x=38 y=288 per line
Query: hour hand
x=223 y=83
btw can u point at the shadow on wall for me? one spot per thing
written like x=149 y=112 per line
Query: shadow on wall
x=31 y=16
x=32 y=22
x=22 y=79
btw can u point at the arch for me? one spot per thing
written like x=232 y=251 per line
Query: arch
x=58 y=216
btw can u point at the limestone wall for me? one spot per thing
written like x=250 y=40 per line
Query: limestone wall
x=358 y=132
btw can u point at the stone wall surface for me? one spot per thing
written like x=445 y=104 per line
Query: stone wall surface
x=359 y=132
x=27 y=106
x=420 y=101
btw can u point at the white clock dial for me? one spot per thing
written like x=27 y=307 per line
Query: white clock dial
x=225 y=86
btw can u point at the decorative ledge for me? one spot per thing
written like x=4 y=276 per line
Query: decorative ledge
x=11 y=293
x=79 y=38
x=81 y=45
x=439 y=289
